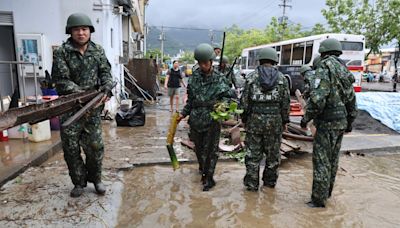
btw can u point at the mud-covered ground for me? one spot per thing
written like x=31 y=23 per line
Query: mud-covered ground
x=367 y=194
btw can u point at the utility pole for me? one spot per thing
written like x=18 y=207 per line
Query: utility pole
x=283 y=19
x=211 y=34
x=162 y=39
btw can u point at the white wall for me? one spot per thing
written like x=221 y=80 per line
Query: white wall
x=48 y=17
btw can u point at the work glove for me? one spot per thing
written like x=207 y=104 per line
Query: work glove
x=303 y=123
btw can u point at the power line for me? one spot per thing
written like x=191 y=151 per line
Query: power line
x=251 y=14
x=256 y=14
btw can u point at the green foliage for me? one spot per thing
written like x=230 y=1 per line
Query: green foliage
x=187 y=57
x=154 y=53
x=378 y=20
x=239 y=156
x=237 y=39
x=224 y=111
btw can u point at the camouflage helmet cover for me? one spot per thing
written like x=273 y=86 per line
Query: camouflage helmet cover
x=268 y=53
x=76 y=20
x=204 y=52
x=304 y=69
x=330 y=44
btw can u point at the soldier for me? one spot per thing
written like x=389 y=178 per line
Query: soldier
x=80 y=65
x=307 y=73
x=332 y=106
x=316 y=62
x=265 y=101
x=225 y=69
x=206 y=87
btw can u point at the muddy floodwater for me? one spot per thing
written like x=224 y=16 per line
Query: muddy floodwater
x=366 y=194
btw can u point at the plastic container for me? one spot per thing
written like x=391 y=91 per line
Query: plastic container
x=39 y=132
x=18 y=132
x=6 y=103
x=4 y=136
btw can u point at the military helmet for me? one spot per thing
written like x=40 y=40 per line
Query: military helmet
x=316 y=61
x=76 y=20
x=216 y=46
x=268 y=53
x=225 y=59
x=330 y=44
x=204 y=52
x=304 y=69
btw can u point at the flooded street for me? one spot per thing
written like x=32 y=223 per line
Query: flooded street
x=366 y=194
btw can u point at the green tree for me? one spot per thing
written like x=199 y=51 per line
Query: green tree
x=187 y=57
x=377 y=21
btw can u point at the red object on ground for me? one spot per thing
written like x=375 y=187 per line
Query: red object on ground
x=295 y=109
x=357 y=89
x=4 y=136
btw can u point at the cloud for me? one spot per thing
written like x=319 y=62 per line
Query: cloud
x=219 y=14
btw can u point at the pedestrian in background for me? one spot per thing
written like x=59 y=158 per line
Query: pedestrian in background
x=173 y=82
x=81 y=65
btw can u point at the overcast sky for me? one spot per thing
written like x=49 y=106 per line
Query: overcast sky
x=218 y=14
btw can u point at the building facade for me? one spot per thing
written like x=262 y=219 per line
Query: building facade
x=31 y=30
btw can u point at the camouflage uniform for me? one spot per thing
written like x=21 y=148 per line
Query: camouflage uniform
x=332 y=106
x=203 y=92
x=230 y=76
x=265 y=113
x=308 y=78
x=73 y=72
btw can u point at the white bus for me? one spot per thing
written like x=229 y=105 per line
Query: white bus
x=301 y=51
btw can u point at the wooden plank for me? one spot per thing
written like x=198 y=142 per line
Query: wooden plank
x=291 y=145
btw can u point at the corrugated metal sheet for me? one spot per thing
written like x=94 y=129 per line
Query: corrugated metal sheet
x=6 y=18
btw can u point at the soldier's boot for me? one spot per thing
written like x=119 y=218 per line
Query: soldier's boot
x=208 y=183
x=250 y=185
x=100 y=188
x=313 y=204
x=77 y=191
x=269 y=184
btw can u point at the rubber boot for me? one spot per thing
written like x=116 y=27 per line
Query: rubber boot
x=100 y=188
x=208 y=183
x=77 y=191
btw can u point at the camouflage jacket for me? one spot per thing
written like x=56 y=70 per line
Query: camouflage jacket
x=230 y=76
x=332 y=102
x=308 y=78
x=73 y=72
x=203 y=92
x=265 y=112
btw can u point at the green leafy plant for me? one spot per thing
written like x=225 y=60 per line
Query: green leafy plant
x=224 y=111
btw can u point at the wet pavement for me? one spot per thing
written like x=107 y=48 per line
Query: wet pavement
x=378 y=86
x=367 y=194
x=17 y=154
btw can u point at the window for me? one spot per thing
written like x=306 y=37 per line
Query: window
x=252 y=59
x=285 y=54
x=298 y=52
x=352 y=46
x=243 y=61
x=354 y=63
x=309 y=49
x=278 y=48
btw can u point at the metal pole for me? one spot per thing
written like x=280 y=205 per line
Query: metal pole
x=1 y=101
x=35 y=78
x=12 y=78
x=23 y=84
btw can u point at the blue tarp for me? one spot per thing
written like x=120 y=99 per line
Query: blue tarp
x=383 y=106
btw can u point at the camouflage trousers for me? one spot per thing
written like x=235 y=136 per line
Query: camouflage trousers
x=326 y=149
x=206 y=148
x=85 y=134
x=256 y=146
